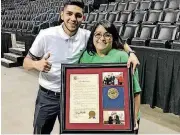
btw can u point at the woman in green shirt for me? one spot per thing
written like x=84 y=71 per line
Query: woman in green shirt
x=104 y=46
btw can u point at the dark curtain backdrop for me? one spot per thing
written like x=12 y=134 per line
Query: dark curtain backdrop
x=159 y=74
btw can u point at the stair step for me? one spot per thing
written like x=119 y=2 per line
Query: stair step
x=20 y=42
x=8 y=63
x=20 y=51
x=20 y=45
x=14 y=57
x=6 y=60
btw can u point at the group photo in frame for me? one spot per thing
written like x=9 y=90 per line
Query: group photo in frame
x=96 y=98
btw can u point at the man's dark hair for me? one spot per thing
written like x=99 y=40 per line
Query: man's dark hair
x=78 y=3
x=117 y=40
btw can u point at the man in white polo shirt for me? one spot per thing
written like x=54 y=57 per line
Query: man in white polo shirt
x=53 y=46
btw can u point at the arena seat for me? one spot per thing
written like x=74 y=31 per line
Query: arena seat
x=164 y=37
x=173 y=4
x=144 y=5
x=144 y=35
x=153 y=17
x=128 y=33
x=111 y=7
x=100 y=16
x=119 y=28
x=92 y=17
x=131 y=6
x=121 y=7
x=138 y=16
x=112 y=16
x=169 y=16
x=158 y=4
x=123 y=17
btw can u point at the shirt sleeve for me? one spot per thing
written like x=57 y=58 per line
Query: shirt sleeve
x=37 y=49
x=136 y=86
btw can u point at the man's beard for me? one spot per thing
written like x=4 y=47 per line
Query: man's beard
x=72 y=30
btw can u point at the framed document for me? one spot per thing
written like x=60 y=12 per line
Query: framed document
x=96 y=98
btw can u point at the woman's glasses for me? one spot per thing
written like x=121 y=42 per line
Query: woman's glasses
x=106 y=35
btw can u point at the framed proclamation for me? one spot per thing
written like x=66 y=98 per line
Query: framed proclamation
x=96 y=98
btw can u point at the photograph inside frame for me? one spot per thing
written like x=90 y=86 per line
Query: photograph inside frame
x=113 y=98
x=113 y=78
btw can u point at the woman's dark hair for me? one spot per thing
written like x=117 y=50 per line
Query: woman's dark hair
x=110 y=28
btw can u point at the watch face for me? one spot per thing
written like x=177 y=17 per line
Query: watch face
x=131 y=52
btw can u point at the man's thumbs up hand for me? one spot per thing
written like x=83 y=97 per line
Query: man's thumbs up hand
x=43 y=64
x=48 y=56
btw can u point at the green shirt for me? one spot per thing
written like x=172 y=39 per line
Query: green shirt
x=114 y=56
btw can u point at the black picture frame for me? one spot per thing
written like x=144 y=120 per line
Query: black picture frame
x=63 y=109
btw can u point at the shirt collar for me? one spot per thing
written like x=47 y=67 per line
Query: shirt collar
x=67 y=37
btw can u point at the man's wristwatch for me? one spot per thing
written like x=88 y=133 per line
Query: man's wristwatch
x=131 y=52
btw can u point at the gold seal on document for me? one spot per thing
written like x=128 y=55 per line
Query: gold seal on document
x=92 y=115
x=113 y=93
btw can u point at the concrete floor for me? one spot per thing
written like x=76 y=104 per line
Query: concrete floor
x=18 y=94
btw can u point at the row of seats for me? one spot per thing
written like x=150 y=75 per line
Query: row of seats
x=161 y=36
x=138 y=0
x=18 y=27
x=12 y=4
x=145 y=17
x=48 y=1
x=27 y=27
x=140 y=24
x=6 y=4
x=37 y=13
x=142 y=5
x=28 y=17
x=35 y=18
x=31 y=10
x=38 y=6
x=45 y=4
x=26 y=13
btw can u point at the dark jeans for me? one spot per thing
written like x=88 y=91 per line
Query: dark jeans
x=46 y=111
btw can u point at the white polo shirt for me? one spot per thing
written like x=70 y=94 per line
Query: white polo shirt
x=63 y=49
